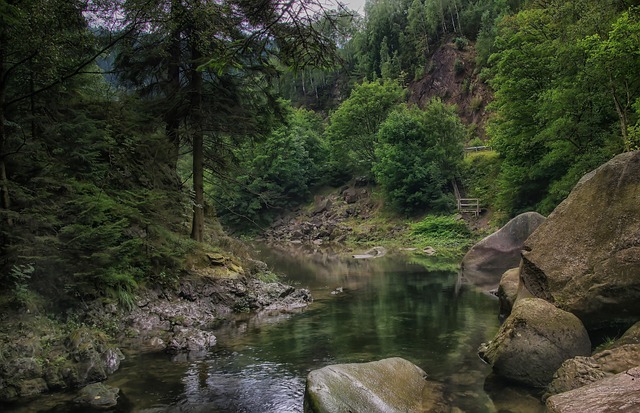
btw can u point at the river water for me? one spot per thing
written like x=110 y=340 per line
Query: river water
x=389 y=307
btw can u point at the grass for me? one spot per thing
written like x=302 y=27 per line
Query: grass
x=447 y=234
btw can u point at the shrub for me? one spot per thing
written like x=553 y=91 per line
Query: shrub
x=458 y=67
x=417 y=156
x=461 y=43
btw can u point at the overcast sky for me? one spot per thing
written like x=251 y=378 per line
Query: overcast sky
x=357 y=5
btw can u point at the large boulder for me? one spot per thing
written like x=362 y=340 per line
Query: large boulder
x=619 y=394
x=585 y=258
x=508 y=291
x=488 y=259
x=620 y=356
x=575 y=373
x=534 y=341
x=389 y=385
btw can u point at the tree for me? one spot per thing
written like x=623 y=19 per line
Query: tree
x=353 y=127
x=234 y=40
x=418 y=156
x=553 y=119
x=274 y=174
x=614 y=61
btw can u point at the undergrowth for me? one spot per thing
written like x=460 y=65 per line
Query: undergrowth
x=447 y=234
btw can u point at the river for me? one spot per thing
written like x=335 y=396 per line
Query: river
x=389 y=306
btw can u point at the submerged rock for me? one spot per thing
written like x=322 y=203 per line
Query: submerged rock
x=619 y=393
x=534 y=341
x=98 y=395
x=389 y=385
x=483 y=264
x=585 y=258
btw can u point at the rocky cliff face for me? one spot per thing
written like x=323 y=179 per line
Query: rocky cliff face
x=586 y=257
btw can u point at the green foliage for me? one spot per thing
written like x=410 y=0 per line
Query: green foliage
x=461 y=43
x=441 y=232
x=564 y=79
x=274 y=174
x=614 y=62
x=19 y=276
x=476 y=103
x=418 y=154
x=479 y=174
x=353 y=127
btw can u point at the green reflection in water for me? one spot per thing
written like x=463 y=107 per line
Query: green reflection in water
x=389 y=307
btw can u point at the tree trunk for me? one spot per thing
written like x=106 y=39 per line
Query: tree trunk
x=623 y=114
x=172 y=117
x=197 y=227
x=5 y=200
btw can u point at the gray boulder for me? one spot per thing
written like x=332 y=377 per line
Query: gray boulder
x=508 y=290
x=575 y=373
x=534 y=341
x=615 y=394
x=389 y=385
x=585 y=258
x=618 y=357
x=488 y=259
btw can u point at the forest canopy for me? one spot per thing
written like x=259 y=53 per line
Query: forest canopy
x=127 y=129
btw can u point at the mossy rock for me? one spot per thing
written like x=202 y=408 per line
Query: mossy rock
x=389 y=385
x=534 y=341
x=585 y=258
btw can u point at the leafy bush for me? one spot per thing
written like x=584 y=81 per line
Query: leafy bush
x=479 y=173
x=418 y=154
x=461 y=43
x=273 y=175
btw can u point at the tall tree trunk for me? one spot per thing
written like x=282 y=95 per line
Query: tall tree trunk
x=5 y=200
x=197 y=227
x=455 y=4
x=623 y=113
x=172 y=116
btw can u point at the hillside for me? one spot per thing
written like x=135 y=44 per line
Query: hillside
x=453 y=77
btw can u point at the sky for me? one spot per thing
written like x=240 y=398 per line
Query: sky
x=357 y=5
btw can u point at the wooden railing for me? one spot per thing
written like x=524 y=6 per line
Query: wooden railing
x=466 y=205
x=469 y=205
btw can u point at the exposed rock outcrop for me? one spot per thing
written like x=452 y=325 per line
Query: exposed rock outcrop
x=53 y=359
x=487 y=260
x=619 y=393
x=48 y=355
x=585 y=258
x=389 y=385
x=179 y=320
x=534 y=341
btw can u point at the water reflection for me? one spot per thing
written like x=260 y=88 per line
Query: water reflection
x=389 y=307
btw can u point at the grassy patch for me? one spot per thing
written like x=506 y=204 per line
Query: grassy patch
x=448 y=234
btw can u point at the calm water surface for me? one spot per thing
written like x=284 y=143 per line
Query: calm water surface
x=389 y=307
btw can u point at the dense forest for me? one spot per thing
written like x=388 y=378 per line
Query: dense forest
x=128 y=130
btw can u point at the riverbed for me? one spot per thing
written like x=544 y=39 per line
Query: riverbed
x=364 y=310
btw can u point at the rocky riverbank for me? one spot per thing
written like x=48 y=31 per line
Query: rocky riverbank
x=580 y=266
x=44 y=353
